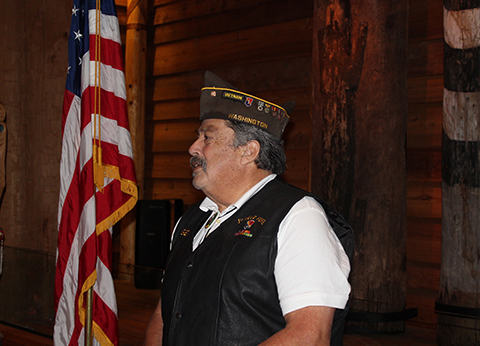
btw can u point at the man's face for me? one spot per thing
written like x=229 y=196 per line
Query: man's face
x=215 y=162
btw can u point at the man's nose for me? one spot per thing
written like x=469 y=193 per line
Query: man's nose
x=195 y=148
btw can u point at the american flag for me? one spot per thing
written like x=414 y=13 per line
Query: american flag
x=98 y=185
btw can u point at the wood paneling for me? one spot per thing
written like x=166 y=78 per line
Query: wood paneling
x=172 y=188
x=172 y=136
x=425 y=89
x=235 y=48
x=183 y=10
x=425 y=57
x=171 y=166
x=180 y=21
x=424 y=126
x=426 y=275
x=259 y=76
x=424 y=157
x=424 y=200
x=425 y=20
x=425 y=165
x=424 y=240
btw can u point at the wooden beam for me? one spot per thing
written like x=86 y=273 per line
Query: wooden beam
x=135 y=75
x=358 y=141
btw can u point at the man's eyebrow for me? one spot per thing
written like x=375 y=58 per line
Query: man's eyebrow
x=206 y=128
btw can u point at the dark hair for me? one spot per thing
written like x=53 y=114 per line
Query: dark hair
x=271 y=156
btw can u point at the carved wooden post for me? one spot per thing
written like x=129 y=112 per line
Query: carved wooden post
x=458 y=305
x=358 y=141
x=135 y=75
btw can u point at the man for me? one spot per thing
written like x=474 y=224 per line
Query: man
x=257 y=261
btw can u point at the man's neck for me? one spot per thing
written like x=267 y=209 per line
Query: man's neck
x=236 y=192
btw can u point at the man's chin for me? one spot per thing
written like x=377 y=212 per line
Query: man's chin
x=197 y=180
x=196 y=183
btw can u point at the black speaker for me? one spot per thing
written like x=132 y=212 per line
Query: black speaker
x=152 y=242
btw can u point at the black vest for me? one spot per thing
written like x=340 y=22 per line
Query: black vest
x=224 y=293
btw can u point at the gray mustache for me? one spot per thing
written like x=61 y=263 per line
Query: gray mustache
x=194 y=160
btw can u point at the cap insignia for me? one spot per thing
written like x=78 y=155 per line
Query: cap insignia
x=260 y=105
x=232 y=96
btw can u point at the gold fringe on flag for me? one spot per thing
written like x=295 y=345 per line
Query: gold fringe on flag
x=128 y=187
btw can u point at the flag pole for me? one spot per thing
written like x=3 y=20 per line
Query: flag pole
x=97 y=158
x=88 y=318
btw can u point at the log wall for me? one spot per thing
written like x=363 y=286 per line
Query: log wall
x=424 y=156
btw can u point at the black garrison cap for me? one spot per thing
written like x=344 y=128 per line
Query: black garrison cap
x=220 y=100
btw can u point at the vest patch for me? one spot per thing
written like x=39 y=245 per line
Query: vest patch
x=257 y=218
x=244 y=232
x=246 y=229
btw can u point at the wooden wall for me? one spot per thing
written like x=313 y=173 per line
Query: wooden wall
x=263 y=48
x=424 y=138
x=33 y=63
x=33 y=68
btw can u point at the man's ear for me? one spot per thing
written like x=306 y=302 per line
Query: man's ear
x=250 y=152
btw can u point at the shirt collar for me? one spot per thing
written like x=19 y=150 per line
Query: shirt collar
x=207 y=204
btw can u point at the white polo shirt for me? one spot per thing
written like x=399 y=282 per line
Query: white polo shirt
x=311 y=268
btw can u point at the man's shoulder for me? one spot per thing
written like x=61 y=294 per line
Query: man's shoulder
x=340 y=226
x=298 y=192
